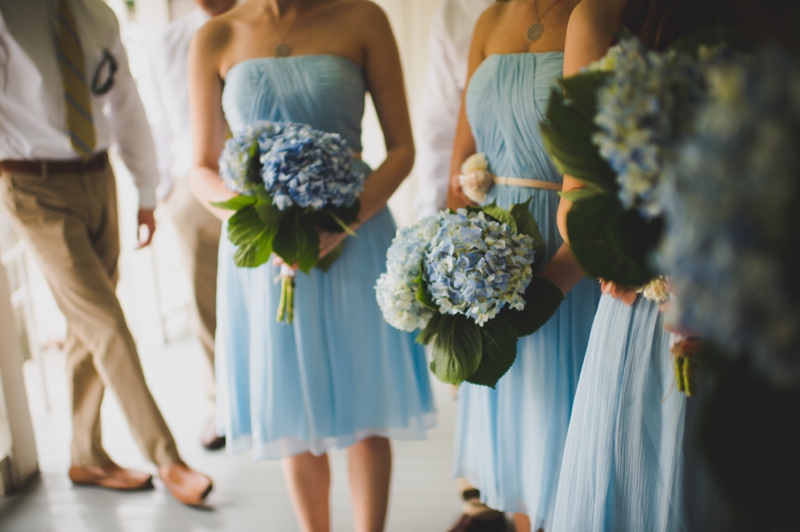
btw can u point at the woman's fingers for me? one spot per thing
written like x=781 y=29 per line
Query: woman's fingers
x=626 y=295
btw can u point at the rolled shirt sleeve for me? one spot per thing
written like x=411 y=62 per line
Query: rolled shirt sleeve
x=439 y=108
x=152 y=93
x=130 y=130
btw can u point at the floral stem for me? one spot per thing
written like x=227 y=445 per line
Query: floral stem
x=286 y=305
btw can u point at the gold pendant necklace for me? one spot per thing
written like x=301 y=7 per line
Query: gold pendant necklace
x=536 y=30
x=282 y=49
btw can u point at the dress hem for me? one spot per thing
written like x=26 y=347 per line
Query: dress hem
x=291 y=446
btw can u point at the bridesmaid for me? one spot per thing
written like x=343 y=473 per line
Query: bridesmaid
x=631 y=463
x=339 y=376
x=510 y=440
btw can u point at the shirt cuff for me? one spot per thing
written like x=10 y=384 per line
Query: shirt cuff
x=147 y=197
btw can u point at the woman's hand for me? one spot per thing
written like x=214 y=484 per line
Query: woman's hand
x=626 y=295
x=328 y=241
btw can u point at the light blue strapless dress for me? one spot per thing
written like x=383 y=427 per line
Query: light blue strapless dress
x=510 y=440
x=339 y=373
x=631 y=462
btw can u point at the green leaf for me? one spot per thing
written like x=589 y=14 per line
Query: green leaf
x=581 y=91
x=499 y=340
x=610 y=242
x=526 y=225
x=336 y=219
x=542 y=299
x=567 y=133
x=327 y=261
x=501 y=215
x=252 y=237
x=254 y=165
x=457 y=349
x=235 y=203
x=267 y=211
x=297 y=240
x=423 y=294
x=430 y=330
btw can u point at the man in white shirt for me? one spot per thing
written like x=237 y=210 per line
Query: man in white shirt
x=67 y=96
x=445 y=81
x=167 y=104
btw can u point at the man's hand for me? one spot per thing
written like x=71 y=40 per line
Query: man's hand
x=146 y=218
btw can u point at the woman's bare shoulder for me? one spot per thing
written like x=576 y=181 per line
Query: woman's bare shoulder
x=215 y=34
x=597 y=15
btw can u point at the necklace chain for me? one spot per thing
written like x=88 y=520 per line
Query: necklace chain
x=283 y=49
x=536 y=30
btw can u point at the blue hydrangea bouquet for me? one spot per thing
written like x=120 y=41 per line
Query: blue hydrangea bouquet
x=291 y=179
x=612 y=127
x=465 y=279
x=731 y=250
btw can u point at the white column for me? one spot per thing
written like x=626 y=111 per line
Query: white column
x=18 y=459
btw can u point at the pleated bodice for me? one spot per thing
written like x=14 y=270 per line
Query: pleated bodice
x=323 y=91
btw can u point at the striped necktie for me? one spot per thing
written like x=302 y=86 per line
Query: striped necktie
x=77 y=100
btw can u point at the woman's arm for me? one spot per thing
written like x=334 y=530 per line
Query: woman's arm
x=464 y=144
x=589 y=35
x=386 y=85
x=208 y=121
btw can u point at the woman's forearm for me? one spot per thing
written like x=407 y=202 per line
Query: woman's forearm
x=563 y=269
x=207 y=187
x=384 y=181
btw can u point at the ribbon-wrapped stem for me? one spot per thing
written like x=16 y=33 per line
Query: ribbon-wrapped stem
x=684 y=365
x=286 y=305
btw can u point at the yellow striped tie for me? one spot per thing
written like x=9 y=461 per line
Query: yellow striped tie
x=77 y=100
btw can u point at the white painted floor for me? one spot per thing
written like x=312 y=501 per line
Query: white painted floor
x=247 y=496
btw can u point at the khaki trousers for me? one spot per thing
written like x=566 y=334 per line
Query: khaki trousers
x=70 y=223
x=199 y=232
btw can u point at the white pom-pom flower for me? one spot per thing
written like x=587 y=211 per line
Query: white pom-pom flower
x=475 y=178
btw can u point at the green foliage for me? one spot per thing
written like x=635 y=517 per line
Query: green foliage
x=457 y=349
x=610 y=242
x=423 y=294
x=542 y=299
x=337 y=219
x=526 y=225
x=499 y=343
x=235 y=203
x=501 y=215
x=430 y=330
x=297 y=240
x=267 y=211
x=568 y=129
x=253 y=238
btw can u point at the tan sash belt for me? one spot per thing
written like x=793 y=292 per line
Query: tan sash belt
x=529 y=183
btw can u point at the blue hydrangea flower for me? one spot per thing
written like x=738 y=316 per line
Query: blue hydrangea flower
x=309 y=168
x=299 y=165
x=731 y=203
x=236 y=166
x=645 y=104
x=397 y=288
x=476 y=266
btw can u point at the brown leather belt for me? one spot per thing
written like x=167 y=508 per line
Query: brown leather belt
x=45 y=167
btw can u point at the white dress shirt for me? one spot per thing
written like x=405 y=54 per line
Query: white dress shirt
x=32 y=113
x=167 y=97
x=445 y=80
